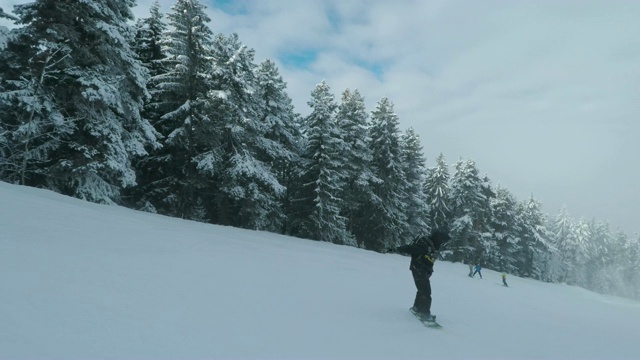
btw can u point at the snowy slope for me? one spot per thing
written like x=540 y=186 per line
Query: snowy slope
x=86 y=281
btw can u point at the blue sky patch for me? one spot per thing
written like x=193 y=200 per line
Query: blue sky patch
x=376 y=68
x=334 y=18
x=299 y=59
x=232 y=7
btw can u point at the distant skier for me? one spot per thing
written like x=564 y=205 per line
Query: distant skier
x=423 y=251
x=470 y=267
x=504 y=279
x=478 y=271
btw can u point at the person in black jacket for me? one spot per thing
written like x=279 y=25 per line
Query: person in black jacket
x=423 y=251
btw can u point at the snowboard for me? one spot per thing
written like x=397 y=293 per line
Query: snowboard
x=429 y=324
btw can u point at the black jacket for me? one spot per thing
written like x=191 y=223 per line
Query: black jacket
x=423 y=255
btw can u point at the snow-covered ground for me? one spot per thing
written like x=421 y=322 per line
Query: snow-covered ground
x=86 y=281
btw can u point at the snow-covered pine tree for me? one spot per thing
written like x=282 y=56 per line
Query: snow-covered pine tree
x=146 y=44
x=571 y=247
x=505 y=225
x=7 y=16
x=353 y=120
x=561 y=228
x=417 y=208
x=626 y=255
x=318 y=209
x=611 y=261
x=486 y=238
x=387 y=212
x=4 y=37
x=172 y=181
x=282 y=127
x=436 y=187
x=467 y=201
x=581 y=250
x=626 y=252
x=32 y=125
x=601 y=254
x=248 y=190
x=632 y=268
x=536 y=249
x=100 y=87
x=149 y=34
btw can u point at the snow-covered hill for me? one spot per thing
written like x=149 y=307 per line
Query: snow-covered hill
x=86 y=281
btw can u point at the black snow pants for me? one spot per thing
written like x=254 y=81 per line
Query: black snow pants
x=423 y=295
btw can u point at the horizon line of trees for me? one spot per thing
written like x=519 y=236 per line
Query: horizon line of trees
x=170 y=118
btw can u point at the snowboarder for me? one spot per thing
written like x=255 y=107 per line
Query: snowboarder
x=504 y=279
x=478 y=269
x=423 y=251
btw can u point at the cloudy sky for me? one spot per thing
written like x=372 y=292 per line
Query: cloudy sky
x=543 y=95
